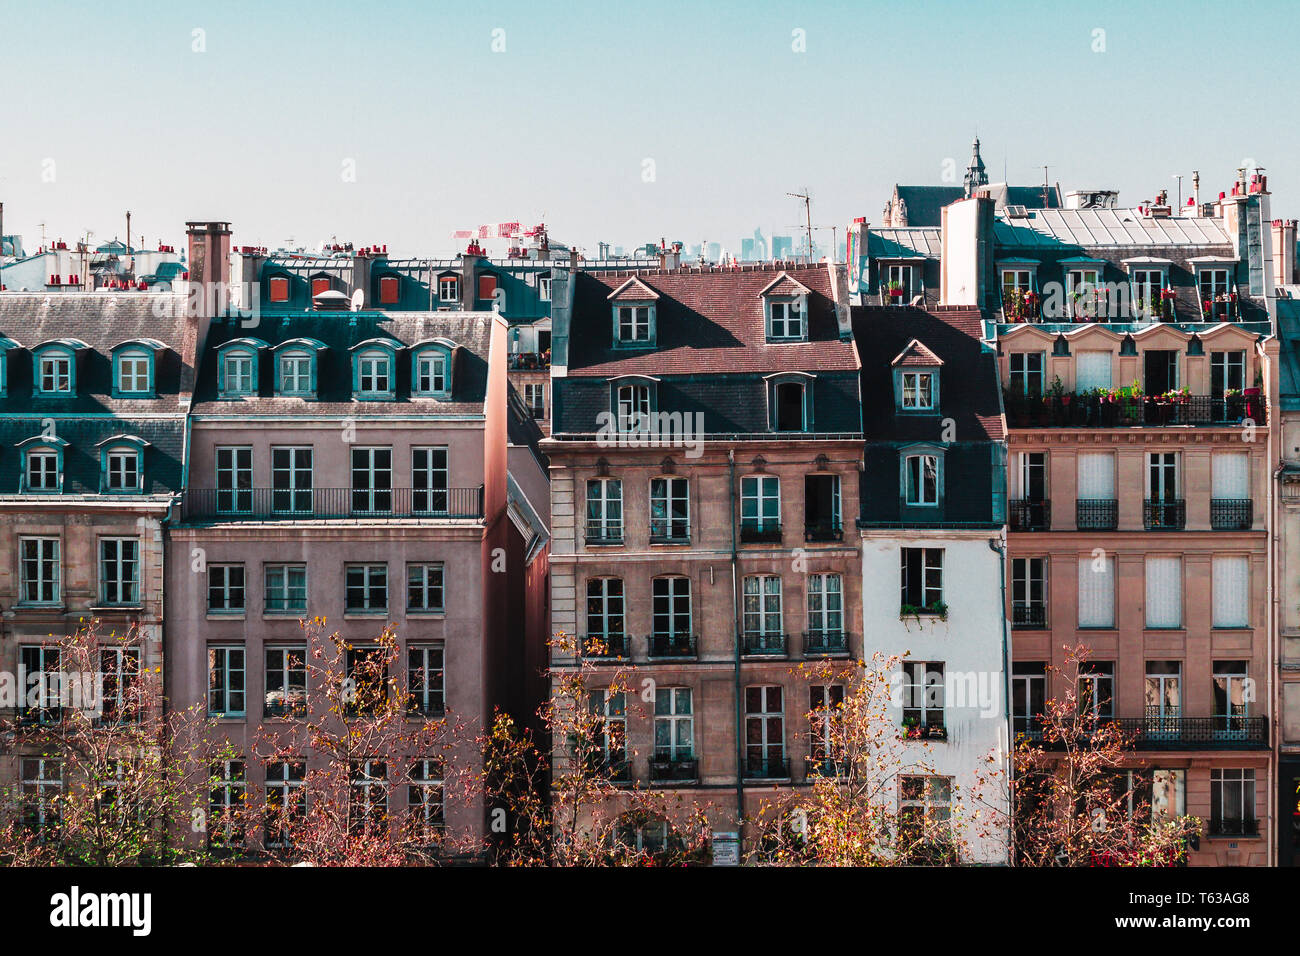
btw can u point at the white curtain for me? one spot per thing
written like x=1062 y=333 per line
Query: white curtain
x=1092 y=370
x=1231 y=475
x=1097 y=592
x=1164 y=592
x=1231 y=591
x=1097 y=474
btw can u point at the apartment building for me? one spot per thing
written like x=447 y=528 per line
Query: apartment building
x=94 y=390
x=933 y=534
x=347 y=465
x=704 y=457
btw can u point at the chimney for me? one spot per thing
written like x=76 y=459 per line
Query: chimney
x=469 y=261
x=361 y=269
x=670 y=257
x=1284 y=257
x=209 y=264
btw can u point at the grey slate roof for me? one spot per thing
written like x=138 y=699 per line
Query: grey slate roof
x=1288 y=333
x=1053 y=228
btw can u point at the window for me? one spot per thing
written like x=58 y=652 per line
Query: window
x=604 y=511
x=1027 y=373
x=286 y=681
x=544 y=288
x=449 y=289
x=825 y=607
x=1092 y=370
x=765 y=732
x=119 y=670
x=1028 y=696
x=1081 y=286
x=1147 y=284
x=789 y=407
x=922 y=579
x=40 y=672
x=279 y=289
x=122 y=472
x=610 y=710
x=424 y=587
x=389 y=289
x=1097 y=591
x=921 y=480
x=1097 y=689
x=763 y=626
x=1164 y=697
x=291 y=480
x=535 y=399
x=918 y=391
x=40 y=570
x=431 y=373
x=133 y=373
x=286 y=800
x=1232 y=695
x=365 y=684
x=899 y=277
x=785 y=320
x=633 y=325
x=760 y=505
x=1231 y=575
x=42 y=784
x=424 y=678
x=367 y=587
x=1160 y=370
x=374 y=374
x=1029 y=592
x=674 y=724
x=227 y=793
x=1033 y=476
x=1232 y=802
x=234 y=480
x=605 y=613
x=922 y=694
x=925 y=798
x=1227 y=372
x=1164 y=592
x=1096 y=476
x=44 y=468
x=286 y=588
x=372 y=480
x=633 y=407
x=821 y=507
x=226 y=692
x=429 y=480
x=1215 y=287
x=671 y=617
x=54 y=370
x=119 y=571
x=826 y=717
x=368 y=797
x=1016 y=280
x=670 y=509
x=1230 y=475
x=239 y=370
x=296 y=377
x=225 y=589
x=424 y=797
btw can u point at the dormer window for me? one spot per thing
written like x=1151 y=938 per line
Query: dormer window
x=634 y=324
x=789 y=402
x=278 y=289
x=134 y=368
x=54 y=373
x=916 y=379
x=544 y=288
x=449 y=289
x=237 y=370
x=487 y=287
x=633 y=305
x=389 y=290
x=42 y=465
x=921 y=480
x=918 y=391
x=374 y=370
x=430 y=371
x=122 y=464
x=785 y=320
x=5 y=345
x=633 y=407
x=295 y=373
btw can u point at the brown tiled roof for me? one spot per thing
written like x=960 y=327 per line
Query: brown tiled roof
x=707 y=322
x=916 y=354
x=633 y=290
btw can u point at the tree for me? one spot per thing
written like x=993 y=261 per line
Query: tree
x=1079 y=797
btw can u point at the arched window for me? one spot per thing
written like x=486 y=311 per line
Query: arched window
x=374 y=370
x=54 y=367
x=134 y=368
x=237 y=367
x=296 y=367
x=789 y=402
x=121 y=464
x=431 y=368
x=42 y=465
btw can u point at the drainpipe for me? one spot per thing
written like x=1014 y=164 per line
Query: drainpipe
x=735 y=612
x=997 y=549
x=1273 y=806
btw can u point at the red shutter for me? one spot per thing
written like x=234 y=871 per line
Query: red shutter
x=487 y=287
x=279 y=289
x=318 y=286
x=388 y=290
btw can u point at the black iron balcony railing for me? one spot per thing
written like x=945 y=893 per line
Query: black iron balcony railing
x=664 y=531
x=1231 y=514
x=1029 y=615
x=605 y=647
x=1164 y=514
x=820 y=765
x=530 y=361
x=1030 y=514
x=1096 y=514
x=604 y=532
x=825 y=643
x=278 y=503
x=674 y=768
x=613 y=765
x=763 y=767
x=1233 y=826
x=764 y=645
x=673 y=645
x=1119 y=411
x=752 y=531
x=823 y=531
x=1165 y=731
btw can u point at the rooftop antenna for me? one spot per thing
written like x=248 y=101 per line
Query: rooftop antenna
x=1045 y=187
x=807 y=213
x=1179 y=177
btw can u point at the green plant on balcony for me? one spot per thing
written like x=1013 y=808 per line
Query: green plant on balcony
x=933 y=609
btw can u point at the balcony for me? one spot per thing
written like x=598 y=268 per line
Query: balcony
x=764 y=645
x=673 y=646
x=530 y=361
x=1164 y=514
x=1231 y=514
x=604 y=533
x=259 y=504
x=1096 y=514
x=819 y=766
x=1116 y=410
x=825 y=644
x=1029 y=616
x=753 y=531
x=605 y=647
x=665 y=768
x=663 y=531
x=1030 y=515
x=759 y=767
x=614 y=766
x=1170 y=732
x=823 y=531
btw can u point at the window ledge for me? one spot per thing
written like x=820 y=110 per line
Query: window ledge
x=225 y=615
x=286 y=615
x=365 y=615
x=426 y=615
x=115 y=608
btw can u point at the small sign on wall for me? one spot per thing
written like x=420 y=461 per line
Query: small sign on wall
x=726 y=849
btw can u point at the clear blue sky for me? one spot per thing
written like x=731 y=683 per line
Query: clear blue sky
x=446 y=134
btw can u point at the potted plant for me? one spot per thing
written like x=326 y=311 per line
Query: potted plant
x=911 y=728
x=895 y=289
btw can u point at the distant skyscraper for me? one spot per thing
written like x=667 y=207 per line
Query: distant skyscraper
x=714 y=251
x=747 y=251
x=782 y=246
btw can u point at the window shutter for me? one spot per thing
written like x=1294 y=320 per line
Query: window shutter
x=487 y=286
x=1231 y=591
x=1092 y=370
x=388 y=290
x=319 y=285
x=1097 y=475
x=1096 y=592
x=279 y=289
x=1231 y=475
x=1164 y=592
